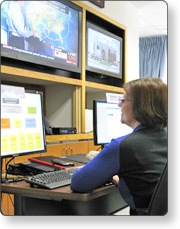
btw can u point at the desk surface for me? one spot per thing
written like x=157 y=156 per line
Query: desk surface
x=23 y=188
x=62 y=201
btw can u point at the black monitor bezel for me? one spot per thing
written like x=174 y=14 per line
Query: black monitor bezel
x=49 y=63
x=104 y=73
x=95 y=132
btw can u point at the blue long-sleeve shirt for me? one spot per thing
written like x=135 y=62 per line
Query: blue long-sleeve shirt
x=99 y=170
x=16 y=21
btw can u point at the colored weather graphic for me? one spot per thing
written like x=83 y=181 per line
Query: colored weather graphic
x=50 y=26
x=54 y=26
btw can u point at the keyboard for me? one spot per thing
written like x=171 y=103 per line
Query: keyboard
x=51 y=180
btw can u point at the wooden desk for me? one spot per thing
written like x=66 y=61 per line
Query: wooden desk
x=62 y=201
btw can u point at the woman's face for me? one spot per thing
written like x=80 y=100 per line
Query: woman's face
x=127 y=110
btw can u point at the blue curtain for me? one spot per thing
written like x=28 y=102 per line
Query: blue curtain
x=152 y=56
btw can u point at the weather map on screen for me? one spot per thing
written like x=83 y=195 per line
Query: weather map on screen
x=51 y=30
x=54 y=27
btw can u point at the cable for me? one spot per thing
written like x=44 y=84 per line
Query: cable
x=7 y=166
x=99 y=148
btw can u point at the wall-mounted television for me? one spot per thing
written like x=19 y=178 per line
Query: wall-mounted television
x=22 y=122
x=47 y=33
x=107 y=122
x=104 y=52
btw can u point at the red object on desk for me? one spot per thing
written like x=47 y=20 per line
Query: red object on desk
x=46 y=163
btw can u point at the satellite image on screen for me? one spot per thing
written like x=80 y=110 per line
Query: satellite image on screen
x=53 y=26
x=48 y=28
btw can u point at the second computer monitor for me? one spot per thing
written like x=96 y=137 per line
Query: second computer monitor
x=107 y=122
x=22 y=122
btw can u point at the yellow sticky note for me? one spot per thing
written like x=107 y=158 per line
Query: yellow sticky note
x=4 y=144
x=17 y=124
x=38 y=140
x=22 y=142
x=30 y=141
x=13 y=142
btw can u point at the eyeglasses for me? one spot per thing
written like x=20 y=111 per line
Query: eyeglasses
x=124 y=100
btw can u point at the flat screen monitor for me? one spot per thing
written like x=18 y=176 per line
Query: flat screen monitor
x=106 y=122
x=104 y=52
x=22 y=122
x=42 y=32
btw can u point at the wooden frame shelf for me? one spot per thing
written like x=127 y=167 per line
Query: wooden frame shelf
x=68 y=137
x=40 y=78
x=38 y=75
x=104 y=87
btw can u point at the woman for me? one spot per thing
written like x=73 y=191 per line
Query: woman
x=138 y=158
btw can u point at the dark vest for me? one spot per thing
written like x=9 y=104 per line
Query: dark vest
x=143 y=155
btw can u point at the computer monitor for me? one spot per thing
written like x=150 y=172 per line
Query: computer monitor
x=106 y=122
x=104 y=52
x=22 y=122
x=46 y=33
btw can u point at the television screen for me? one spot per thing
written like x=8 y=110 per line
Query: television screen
x=104 y=52
x=106 y=122
x=42 y=32
x=22 y=122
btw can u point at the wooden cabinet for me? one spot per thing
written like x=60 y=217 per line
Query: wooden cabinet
x=7 y=204
x=65 y=149
x=93 y=147
x=77 y=148
x=56 y=150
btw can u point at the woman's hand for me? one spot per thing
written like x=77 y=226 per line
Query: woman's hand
x=115 y=179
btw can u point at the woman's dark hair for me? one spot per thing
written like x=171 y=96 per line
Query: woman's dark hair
x=149 y=97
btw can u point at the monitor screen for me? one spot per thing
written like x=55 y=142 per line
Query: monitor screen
x=104 y=52
x=22 y=122
x=106 y=122
x=42 y=32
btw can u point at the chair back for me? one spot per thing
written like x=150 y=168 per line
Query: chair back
x=159 y=201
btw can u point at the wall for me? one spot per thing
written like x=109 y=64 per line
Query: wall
x=59 y=112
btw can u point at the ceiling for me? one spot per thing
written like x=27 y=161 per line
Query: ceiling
x=152 y=18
